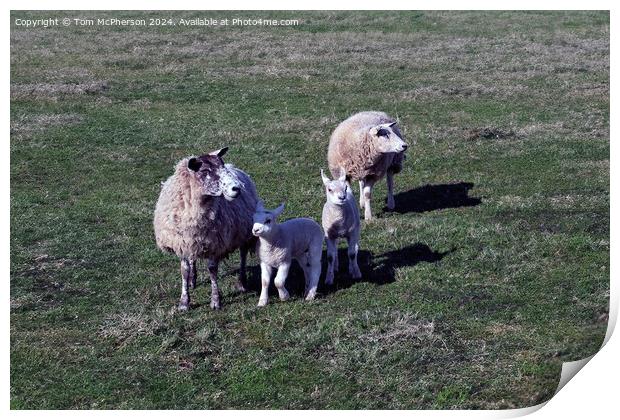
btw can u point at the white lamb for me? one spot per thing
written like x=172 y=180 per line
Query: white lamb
x=279 y=243
x=205 y=210
x=369 y=146
x=341 y=219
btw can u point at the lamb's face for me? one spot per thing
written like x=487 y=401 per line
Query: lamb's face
x=336 y=190
x=265 y=220
x=215 y=178
x=386 y=139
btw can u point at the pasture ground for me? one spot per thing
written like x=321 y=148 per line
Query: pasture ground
x=493 y=270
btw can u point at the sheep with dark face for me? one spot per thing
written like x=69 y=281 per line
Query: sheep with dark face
x=369 y=146
x=205 y=211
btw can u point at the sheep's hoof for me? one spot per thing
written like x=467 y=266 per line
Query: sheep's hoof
x=284 y=296
x=239 y=287
x=355 y=273
x=215 y=305
x=391 y=205
x=182 y=307
x=261 y=303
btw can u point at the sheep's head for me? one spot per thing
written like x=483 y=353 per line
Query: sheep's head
x=337 y=189
x=265 y=220
x=387 y=139
x=214 y=177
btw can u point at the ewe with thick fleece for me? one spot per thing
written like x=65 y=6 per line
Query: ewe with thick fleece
x=369 y=146
x=205 y=211
x=341 y=219
x=279 y=243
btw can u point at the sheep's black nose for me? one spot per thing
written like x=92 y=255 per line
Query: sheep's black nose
x=405 y=147
x=236 y=189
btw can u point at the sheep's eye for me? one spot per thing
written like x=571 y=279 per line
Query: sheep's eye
x=383 y=133
x=267 y=221
x=330 y=190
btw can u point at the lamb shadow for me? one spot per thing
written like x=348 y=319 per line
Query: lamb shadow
x=435 y=197
x=378 y=269
x=295 y=281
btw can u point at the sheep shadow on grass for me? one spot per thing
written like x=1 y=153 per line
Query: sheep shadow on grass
x=378 y=269
x=435 y=197
x=295 y=282
x=381 y=268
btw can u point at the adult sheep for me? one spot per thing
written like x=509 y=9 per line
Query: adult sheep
x=205 y=211
x=369 y=146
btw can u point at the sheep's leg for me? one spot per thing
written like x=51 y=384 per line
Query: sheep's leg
x=185 y=275
x=265 y=277
x=362 y=202
x=305 y=264
x=332 y=260
x=192 y=274
x=215 y=291
x=312 y=278
x=390 y=188
x=241 y=285
x=353 y=241
x=281 y=279
x=367 y=194
x=336 y=262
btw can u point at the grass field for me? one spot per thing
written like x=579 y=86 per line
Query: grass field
x=492 y=271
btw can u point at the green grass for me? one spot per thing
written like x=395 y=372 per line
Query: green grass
x=493 y=271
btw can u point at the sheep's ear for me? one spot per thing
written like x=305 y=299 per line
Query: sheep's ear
x=343 y=175
x=379 y=130
x=260 y=206
x=220 y=152
x=278 y=210
x=194 y=164
x=325 y=179
x=392 y=124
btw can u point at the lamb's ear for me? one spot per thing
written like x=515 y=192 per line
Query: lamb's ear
x=326 y=180
x=278 y=210
x=220 y=152
x=194 y=164
x=260 y=206
x=392 y=124
x=343 y=175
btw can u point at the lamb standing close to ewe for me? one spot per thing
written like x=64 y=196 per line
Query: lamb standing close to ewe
x=205 y=210
x=369 y=146
x=279 y=243
x=341 y=219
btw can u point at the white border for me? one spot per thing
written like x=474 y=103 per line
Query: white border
x=309 y=5
x=592 y=394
